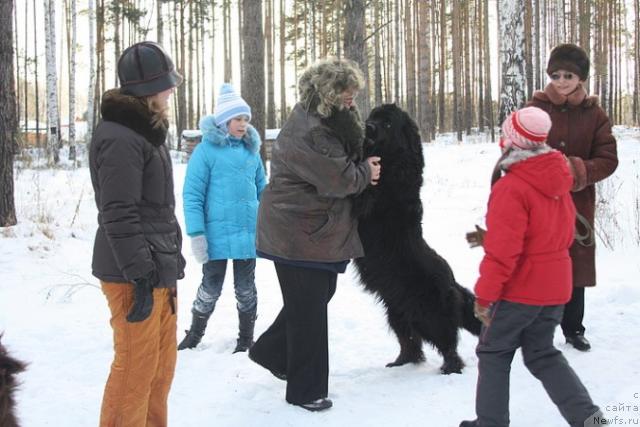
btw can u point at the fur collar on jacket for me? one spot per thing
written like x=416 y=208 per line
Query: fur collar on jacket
x=347 y=126
x=514 y=156
x=216 y=136
x=577 y=98
x=131 y=112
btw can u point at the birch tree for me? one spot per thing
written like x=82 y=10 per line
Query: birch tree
x=8 y=121
x=92 y=71
x=52 y=84
x=513 y=88
x=72 y=85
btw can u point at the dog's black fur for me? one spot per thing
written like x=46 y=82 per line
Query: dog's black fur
x=415 y=284
x=9 y=368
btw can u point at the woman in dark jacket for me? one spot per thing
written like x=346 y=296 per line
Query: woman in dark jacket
x=136 y=254
x=306 y=227
x=582 y=131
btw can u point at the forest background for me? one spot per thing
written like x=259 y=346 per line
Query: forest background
x=455 y=65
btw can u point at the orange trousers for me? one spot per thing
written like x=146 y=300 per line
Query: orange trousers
x=144 y=362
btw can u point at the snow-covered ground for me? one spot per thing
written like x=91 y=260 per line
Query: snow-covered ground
x=54 y=316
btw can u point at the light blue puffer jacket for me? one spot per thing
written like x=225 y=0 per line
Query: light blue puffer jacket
x=222 y=189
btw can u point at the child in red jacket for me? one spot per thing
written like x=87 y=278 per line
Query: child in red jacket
x=525 y=276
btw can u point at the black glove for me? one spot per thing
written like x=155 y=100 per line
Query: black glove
x=476 y=238
x=142 y=297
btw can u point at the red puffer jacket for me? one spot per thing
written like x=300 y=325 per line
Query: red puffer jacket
x=530 y=227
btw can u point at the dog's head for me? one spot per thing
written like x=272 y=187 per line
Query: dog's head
x=390 y=131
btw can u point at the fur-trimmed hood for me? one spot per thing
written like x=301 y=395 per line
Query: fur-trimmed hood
x=216 y=136
x=321 y=85
x=544 y=168
x=516 y=155
x=131 y=112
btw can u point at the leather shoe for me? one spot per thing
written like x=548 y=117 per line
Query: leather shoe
x=317 y=405
x=579 y=342
x=473 y=423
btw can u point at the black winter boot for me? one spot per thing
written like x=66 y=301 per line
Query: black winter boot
x=247 y=321
x=195 y=333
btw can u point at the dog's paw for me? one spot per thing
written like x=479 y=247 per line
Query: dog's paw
x=453 y=365
x=403 y=359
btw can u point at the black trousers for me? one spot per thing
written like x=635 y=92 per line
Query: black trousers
x=573 y=314
x=297 y=341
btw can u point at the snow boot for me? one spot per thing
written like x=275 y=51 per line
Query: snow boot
x=579 y=342
x=247 y=322
x=195 y=333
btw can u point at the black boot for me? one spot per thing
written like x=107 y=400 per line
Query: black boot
x=195 y=333
x=579 y=342
x=247 y=321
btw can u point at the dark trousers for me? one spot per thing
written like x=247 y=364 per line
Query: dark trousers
x=573 y=314
x=297 y=341
x=531 y=327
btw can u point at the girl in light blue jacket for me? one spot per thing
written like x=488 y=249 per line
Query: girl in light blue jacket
x=222 y=188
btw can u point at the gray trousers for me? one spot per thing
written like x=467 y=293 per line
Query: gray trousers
x=531 y=327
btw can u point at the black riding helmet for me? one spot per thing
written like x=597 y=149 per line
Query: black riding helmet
x=145 y=69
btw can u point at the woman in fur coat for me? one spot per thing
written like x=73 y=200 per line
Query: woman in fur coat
x=136 y=254
x=581 y=130
x=305 y=225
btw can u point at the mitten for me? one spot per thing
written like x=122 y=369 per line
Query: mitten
x=482 y=312
x=199 y=248
x=476 y=238
x=142 y=297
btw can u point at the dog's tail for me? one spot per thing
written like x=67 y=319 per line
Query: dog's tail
x=469 y=321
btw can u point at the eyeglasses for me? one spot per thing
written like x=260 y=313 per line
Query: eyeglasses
x=566 y=76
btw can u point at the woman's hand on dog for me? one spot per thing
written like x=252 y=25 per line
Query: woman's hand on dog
x=375 y=167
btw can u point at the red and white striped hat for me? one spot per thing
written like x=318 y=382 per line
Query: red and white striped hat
x=525 y=129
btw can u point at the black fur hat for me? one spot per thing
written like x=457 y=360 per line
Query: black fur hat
x=569 y=57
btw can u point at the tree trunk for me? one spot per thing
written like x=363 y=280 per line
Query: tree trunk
x=26 y=67
x=92 y=72
x=528 y=42
x=425 y=105
x=488 y=98
x=35 y=74
x=269 y=31
x=513 y=89
x=410 y=59
x=72 y=85
x=8 y=119
x=354 y=46
x=253 y=90
x=52 y=83
x=283 y=89
x=442 y=66
x=159 y=22
x=377 y=67
x=16 y=51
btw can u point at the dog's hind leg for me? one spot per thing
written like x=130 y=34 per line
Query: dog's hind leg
x=445 y=340
x=410 y=341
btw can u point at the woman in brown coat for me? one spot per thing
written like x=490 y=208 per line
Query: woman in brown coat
x=582 y=131
x=305 y=225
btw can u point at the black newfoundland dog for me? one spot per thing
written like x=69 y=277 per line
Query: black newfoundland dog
x=415 y=284
x=9 y=368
